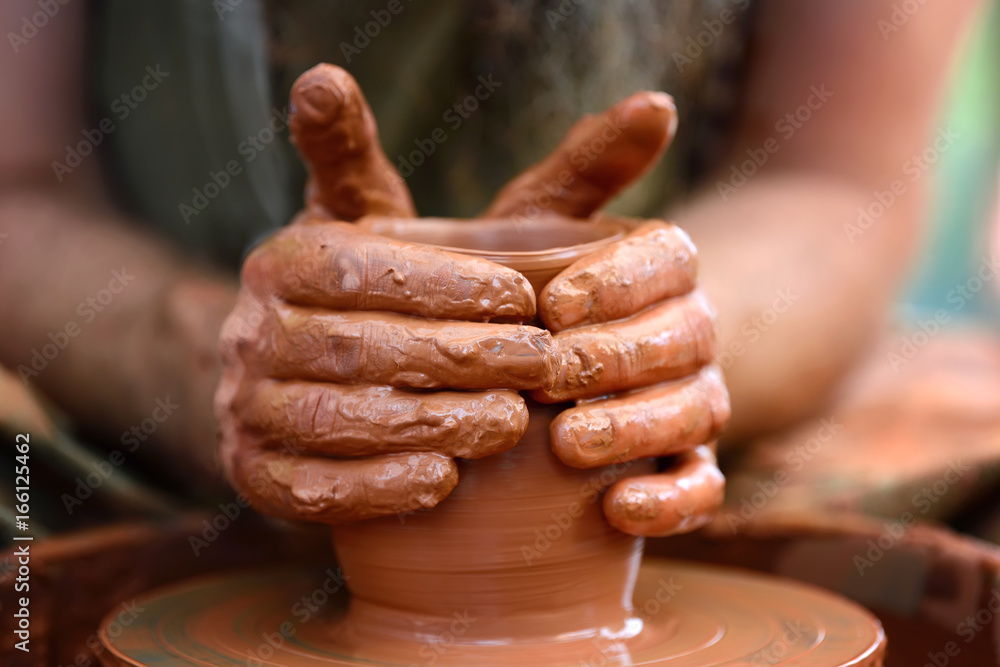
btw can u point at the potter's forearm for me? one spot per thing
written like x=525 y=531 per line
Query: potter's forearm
x=799 y=285
x=107 y=321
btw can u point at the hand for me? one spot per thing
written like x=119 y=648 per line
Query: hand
x=333 y=328
x=633 y=332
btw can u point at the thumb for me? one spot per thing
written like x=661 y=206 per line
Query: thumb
x=335 y=132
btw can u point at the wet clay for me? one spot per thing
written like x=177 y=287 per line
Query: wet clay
x=690 y=615
x=333 y=128
x=663 y=263
x=520 y=544
x=522 y=555
x=427 y=329
x=340 y=267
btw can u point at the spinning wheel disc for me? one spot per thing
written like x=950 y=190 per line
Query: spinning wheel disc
x=687 y=615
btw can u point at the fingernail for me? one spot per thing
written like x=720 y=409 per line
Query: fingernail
x=317 y=102
x=660 y=100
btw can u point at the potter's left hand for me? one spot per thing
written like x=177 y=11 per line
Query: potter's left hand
x=634 y=335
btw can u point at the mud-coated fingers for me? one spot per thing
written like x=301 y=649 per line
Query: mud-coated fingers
x=676 y=501
x=335 y=132
x=664 y=342
x=599 y=157
x=401 y=351
x=301 y=488
x=657 y=421
x=655 y=262
x=342 y=421
x=334 y=265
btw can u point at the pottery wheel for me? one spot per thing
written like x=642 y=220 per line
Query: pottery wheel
x=689 y=615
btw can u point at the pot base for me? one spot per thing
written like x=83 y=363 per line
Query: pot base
x=686 y=615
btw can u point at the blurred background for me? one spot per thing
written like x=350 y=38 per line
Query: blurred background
x=837 y=164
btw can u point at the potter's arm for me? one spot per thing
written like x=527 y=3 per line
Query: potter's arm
x=64 y=243
x=790 y=239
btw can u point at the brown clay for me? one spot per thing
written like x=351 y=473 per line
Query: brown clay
x=599 y=433
x=669 y=340
x=634 y=133
x=689 y=615
x=678 y=501
x=365 y=421
x=339 y=324
x=402 y=351
x=523 y=553
x=522 y=543
x=340 y=267
x=334 y=129
x=301 y=488
x=660 y=262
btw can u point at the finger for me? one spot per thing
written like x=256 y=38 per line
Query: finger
x=659 y=421
x=340 y=491
x=663 y=342
x=655 y=262
x=600 y=156
x=335 y=132
x=345 y=421
x=390 y=349
x=679 y=501
x=336 y=266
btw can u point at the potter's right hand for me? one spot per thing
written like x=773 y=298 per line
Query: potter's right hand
x=338 y=335
x=634 y=334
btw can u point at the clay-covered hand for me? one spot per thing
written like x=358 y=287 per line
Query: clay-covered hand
x=338 y=335
x=634 y=335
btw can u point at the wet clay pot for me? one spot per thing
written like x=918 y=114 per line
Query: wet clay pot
x=516 y=567
x=519 y=555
